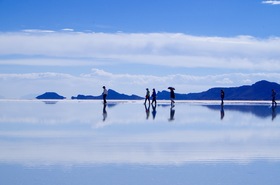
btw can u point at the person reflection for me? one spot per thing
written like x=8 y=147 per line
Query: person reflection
x=273 y=112
x=273 y=96
x=147 y=109
x=172 y=113
x=104 y=112
x=222 y=111
x=154 y=111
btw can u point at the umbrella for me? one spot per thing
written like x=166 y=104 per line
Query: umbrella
x=171 y=88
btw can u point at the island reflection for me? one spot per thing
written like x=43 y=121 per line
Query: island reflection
x=261 y=111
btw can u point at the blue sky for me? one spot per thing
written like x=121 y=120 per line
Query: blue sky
x=210 y=18
x=76 y=47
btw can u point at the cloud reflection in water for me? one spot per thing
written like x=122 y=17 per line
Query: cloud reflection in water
x=73 y=132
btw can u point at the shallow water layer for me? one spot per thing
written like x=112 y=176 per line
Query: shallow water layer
x=126 y=142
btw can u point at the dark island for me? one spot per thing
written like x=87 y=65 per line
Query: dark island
x=50 y=95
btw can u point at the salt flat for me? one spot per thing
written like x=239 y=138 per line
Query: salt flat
x=126 y=140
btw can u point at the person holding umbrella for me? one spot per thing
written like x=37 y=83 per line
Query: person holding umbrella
x=172 y=95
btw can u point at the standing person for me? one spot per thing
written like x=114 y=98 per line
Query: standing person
x=222 y=96
x=273 y=95
x=172 y=95
x=147 y=97
x=154 y=96
x=105 y=93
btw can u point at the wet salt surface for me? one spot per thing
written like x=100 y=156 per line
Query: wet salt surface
x=83 y=142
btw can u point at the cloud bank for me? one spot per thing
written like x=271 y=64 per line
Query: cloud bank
x=130 y=62
x=159 y=49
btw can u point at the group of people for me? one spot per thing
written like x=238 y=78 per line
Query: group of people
x=172 y=96
x=147 y=97
x=154 y=96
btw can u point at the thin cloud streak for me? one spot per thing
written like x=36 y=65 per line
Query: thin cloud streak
x=271 y=2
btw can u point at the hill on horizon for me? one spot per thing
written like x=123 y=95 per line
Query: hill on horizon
x=50 y=95
x=261 y=90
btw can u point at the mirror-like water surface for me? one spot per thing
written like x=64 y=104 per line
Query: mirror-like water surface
x=125 y=142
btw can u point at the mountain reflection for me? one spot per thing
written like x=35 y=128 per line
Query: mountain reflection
x=261 y=111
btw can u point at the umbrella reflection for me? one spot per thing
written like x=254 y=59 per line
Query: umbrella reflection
x=172 y=113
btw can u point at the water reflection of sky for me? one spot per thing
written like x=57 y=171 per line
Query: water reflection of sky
x=85 y=133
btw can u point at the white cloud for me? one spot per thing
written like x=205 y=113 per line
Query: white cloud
x=91 y=84
x=38 y=31
x=257 y=59
x=68 y=29
x=225 y=81
x=271 y=2
x=159 y=49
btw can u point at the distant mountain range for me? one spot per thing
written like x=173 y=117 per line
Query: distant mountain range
x=259 y=91
x=112 y=95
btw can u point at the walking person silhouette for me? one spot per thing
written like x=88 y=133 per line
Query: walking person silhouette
x=154 y=97
x=147 y=97
x=172 y=95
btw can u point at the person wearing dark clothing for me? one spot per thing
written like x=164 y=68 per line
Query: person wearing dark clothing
x=273 y=95
x=147 y=97
x=172 y=95
x=222 y=96
x=154 y=97
x=105 y=93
